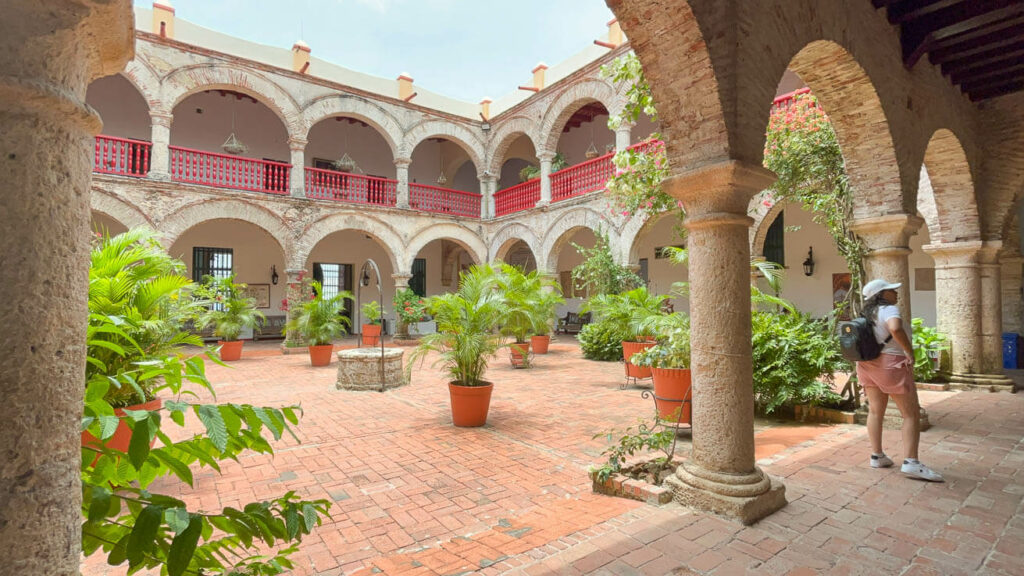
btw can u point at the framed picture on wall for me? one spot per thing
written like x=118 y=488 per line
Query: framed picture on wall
x=260 y=292
x=840 y=288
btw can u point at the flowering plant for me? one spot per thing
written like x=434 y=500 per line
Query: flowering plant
x=409 y=306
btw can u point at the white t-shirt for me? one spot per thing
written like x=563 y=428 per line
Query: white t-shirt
x=885 y=312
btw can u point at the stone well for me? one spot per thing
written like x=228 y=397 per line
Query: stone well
x=359 y=369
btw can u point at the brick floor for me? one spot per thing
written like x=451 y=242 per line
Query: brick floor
x=414 y=495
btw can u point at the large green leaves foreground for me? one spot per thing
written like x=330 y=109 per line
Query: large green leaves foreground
x=124 y=515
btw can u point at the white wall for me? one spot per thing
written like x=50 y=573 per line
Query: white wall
x=662 y=273
x=124 y=111
x=354 y=248
x=330 y=139
x=574 y=143
x=255 y=125
x=426 y=159
x=254 y=252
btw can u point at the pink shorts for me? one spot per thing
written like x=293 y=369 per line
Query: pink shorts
x=889 y=373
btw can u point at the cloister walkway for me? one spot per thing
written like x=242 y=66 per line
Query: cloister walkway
x=416 y=496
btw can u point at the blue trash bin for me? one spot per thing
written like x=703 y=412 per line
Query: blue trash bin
x=1011 y=351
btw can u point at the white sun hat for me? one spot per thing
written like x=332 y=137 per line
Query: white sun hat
x=877 y=285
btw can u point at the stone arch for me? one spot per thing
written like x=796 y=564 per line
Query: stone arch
x=763 y=209
x=847 y=94
x=380 y=230
x=354 y=107
x=558 y=234
x=508 y=235
x=184 y=82
x=178 y=222
x=952 y=186
x=118 y=208
x=145 y=81
x=629 y=237
x=926 y=204
x=563 y=107
x=503 y=138
x=461 y=235
x=457 y=133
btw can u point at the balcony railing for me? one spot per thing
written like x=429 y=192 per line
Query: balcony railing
x=121 y=156
x=444 y=200
x=224 y=171
x=343 y=187
x=582 y=178
x=516 y=198
x=786 y=100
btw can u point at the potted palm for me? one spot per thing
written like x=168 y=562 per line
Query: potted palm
x=229 y=312
x=669 y=362
x=465 y=340
x=633 y=310
x=548 y=300
x=520 y=293
x=319 y=321
x=371 y=332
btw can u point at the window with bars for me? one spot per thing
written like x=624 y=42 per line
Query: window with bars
x=216 y=262
x=334 y=278
x=418 y=282
x=775 y=241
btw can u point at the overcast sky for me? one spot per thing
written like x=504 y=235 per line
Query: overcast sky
x=465 y=49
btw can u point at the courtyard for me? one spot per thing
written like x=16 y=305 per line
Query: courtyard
x=412 y=494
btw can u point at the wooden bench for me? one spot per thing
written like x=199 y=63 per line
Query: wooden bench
x=271 y=329
x=572 y=322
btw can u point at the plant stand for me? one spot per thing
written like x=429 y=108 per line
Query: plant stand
x=632 y=379
x=686 y=399
x=521 y=360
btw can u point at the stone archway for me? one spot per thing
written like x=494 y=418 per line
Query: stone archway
x=178 y=222
x=118 y=208
x=504 y=238
x=354 y=107
x=390 y=240
x=461 y=235
x=451 y=131
x=145 y=80
x=563 y=107
x=561 y=230
x=948 y=191
x=504 y=137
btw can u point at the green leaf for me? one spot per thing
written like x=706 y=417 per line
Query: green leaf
x=183 y=547
x=99 y=503
x=96 y=390
x=180 y=469
x=216 y=430
x=140 y=542
x=138 y=448
x=177 y=519
x=309 y=515
x=232 y=420
x=108 y=425
x=120 y=551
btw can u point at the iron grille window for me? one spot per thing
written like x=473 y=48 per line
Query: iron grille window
x=334 y=278
x=775 y=241
x=216 y=262
x=418 y=282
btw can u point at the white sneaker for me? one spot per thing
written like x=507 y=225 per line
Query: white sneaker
x=918 y=470
x=881 y=461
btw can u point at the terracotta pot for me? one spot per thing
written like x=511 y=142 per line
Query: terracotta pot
x=519 y=353
x=540 y=343
x=371 y=334
x=230 y=351
x=630 y=348
x=470 y=404
x=321 y=355
x=123 y=435
x=672 y=394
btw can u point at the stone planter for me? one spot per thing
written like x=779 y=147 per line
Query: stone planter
x=359 y=369
x=808 y=413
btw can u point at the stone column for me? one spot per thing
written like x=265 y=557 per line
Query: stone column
x=1013 y=299
x=488 y=183
x=296 y=295
x=402 y=175
x=160 y=155
x=958 y=303
x=887 y=239
x=401 y=282
x=720 y=474
x=545 y=177
x=991 y=341
x=49 y=52
x=297 y=174
x=622 y=136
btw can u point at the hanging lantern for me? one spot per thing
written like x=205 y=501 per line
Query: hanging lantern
x=441 y=180
x=345 y=164
x=233 y=145
x=592 y=152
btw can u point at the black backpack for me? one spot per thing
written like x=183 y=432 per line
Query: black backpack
x=857 y=340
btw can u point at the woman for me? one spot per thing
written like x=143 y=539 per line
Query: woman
x=891 y=375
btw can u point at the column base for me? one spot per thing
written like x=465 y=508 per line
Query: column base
x=746 y=498
x=159 y=176
x=984 y=382
x=892 y=420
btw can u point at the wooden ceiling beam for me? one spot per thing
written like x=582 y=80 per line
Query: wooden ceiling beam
x=917 y=38
x=979 y=41
x=996 y=91
x=981 y=75
x=993 y=81
x=907 y=10
x=970 y=74
x=997 y=55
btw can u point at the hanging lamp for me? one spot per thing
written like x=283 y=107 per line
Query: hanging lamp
x=592 y=152
x=441 y=180
x=233 y=145
x=345 y=163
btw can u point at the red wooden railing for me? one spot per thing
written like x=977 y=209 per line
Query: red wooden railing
x=121 y=156
x=444 y=200
x=522 y=196
x=345 y=187
x=224 y=171
x=582 y=178
x=786 y=100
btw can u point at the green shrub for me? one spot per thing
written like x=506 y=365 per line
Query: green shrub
x=602 y=341
x=926 y=338
x=795 y=357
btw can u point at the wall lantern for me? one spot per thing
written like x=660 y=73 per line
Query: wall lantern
x=273 y=274
x=809 y=263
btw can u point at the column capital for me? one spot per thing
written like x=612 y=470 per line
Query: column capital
x=988 y=254
x=161 y=118
x=401 y=280
x=297 y=144
x=887 y=234
x=724 y=187
x=487 y=177
x=1011 y=257
x=954 y=254
x=294 y=275
x=402 y=162
x=546 y=156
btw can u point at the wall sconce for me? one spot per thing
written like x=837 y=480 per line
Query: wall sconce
x=809 y=263
x=273 y=274
x=365 y=280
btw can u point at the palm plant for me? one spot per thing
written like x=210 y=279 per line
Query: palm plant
x=231 y=311
x=633 y=310
x=548 y=300
x=465 y=337
x=320 y=320
x=521 y=294
x=372 y=312
x=135 y=312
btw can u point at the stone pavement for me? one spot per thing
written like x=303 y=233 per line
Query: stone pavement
x=414 y=495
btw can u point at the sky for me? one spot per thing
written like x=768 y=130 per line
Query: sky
x=465 y=49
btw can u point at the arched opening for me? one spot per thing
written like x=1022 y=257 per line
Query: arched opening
x=946 y=176
x=518 y=253
x=349 y=160
x=585 y=135
x=223 y=246
x=652 y=259
x=336 y=260
x=124 y=146
x=566 y=257
x=519 y=154
x=101 y=223
x=437 y=265
x=227 y=138
x=443 y=178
